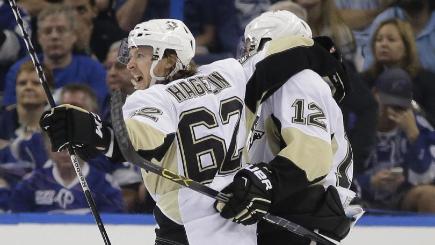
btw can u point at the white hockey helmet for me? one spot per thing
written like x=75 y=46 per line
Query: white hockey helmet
x=272 y=25
x=161 y=35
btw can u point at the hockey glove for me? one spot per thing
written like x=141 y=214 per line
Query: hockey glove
x=250 y=195
x=71 y=125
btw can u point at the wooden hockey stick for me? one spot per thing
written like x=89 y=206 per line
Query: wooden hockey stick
x=74 y=159
x=129 y=153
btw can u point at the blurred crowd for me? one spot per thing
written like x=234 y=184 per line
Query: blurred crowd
x=388 y=47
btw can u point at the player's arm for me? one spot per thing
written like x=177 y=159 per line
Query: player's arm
x=89 y=135
x=282 y=58
x=149 y=122
x=303 y=119
x=300 y=132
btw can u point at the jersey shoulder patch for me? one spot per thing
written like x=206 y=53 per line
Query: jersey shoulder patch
x=152 y=113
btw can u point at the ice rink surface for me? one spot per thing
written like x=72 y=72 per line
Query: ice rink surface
x=20 y=229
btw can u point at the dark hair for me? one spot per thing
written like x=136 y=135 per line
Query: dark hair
x=190 y=71
x=78 y=87
x=29 y=67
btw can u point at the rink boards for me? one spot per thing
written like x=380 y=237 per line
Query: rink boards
x=19 y=229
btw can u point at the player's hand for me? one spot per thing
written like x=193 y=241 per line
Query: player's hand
x=71 y=125
x=250 y=195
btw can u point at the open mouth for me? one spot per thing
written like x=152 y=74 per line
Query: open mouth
x=136 y=80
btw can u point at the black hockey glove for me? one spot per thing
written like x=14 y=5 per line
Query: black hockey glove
x=250 y=195
x=84 y=130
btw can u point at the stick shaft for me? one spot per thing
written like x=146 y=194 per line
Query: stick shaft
x=132 y=156
x=74 y=159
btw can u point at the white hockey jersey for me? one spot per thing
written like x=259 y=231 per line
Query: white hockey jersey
x=191 y=127
x=302 y=122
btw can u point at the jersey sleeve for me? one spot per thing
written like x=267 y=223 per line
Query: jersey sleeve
x=150 y=122
x=300 y=120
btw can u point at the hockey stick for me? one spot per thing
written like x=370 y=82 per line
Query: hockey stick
x=129 y=153
x=50 y=99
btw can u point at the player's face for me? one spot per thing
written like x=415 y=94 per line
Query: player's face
x=389 y=46
x=56 y=36
x=139 y=66
x=118 y=77
x=29 y=90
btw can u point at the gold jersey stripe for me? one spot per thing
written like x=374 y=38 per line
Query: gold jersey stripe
x=166 y=190
x=309 y=153
x=284 y=43
x=143 y=136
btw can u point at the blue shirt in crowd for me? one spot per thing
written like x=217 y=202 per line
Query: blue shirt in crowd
x=82 y=69
x=44 y=191
x=393 y=149
x=8 y=22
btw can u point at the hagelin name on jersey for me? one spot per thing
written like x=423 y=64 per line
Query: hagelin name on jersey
x=198 y=86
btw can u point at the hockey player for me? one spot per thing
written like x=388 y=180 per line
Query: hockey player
x=186 y=126
x=194 y=126
x=301 y=159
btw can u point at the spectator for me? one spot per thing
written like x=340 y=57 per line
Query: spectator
x=325 y=20
x=95 y=35
x=394 y=46
x=118 y=77
x=421 y=16
x=401 y=167
x=20 y=151
x=85 y=12
x=56 y=189
x=214 y=27
x=131 y=12
x=11 y=44
x=123 y=173
x=56 y=37
x=31 y=100
x=358 y=15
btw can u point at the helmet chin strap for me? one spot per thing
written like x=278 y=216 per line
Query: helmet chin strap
x=154 y=78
